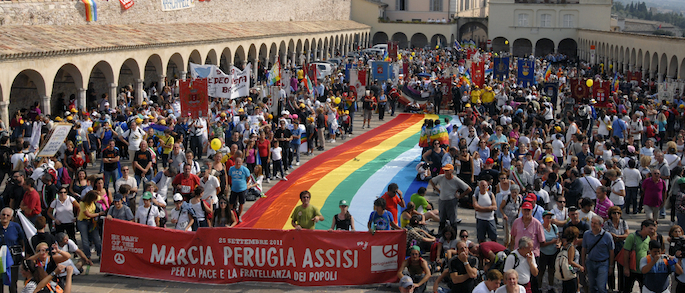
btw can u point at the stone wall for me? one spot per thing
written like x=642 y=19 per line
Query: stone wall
x=69 y=12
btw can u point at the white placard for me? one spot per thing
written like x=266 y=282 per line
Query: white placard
x=222 y=85
x=59 y=134
x=171 y=5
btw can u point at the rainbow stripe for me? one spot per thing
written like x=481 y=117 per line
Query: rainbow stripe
x=548 y=73
x=357 y=171
x=91 y=10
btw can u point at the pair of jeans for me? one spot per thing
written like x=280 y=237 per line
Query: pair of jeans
x=597 y=275
x=448 y=211
x=110 y=174
x=630 y=282
x=89 y=235
x=294 y=152
x=631 y=199
x=139 y=179
x=278 y=167
x=265 y=166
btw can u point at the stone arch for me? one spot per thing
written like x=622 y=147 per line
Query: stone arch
x=655 y=64
x=28 y=87
x=306 y=50
x=633 y=58
x=522 y=48
x=319 y=50
x=419 y=40
x=289 y=51
x=682 y=69
x=474 y=30
x=211 y=57
x=568 y=47
x=439 y=39
x=174 y=67
x=625 y=55
x=331 y=48
x=129 y=73
x=401 y=40
x=337 y=46
x=673 y=68
x=298 y=51
x=500 y=44
x=68 y=80
x=153 y=71
x=276 y=51
x=326 y=46
x=346 y=45
x=226 y=59
x=239 y=57
x=639 y=58
x=263 y=54
x=543 y=47
x=195 y=57
x=252 y=54
x=647 y=65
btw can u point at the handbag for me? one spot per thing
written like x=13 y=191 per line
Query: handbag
x=620 y=258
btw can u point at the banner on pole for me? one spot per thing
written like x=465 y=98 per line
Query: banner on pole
x=194 y=99
x=234 y=85
x=526 y=72
x=57 y=138
x=171 y=5
x=601 y=91
x=478 y=73
x=380 y=70
x=231 y=255
x=501 y=68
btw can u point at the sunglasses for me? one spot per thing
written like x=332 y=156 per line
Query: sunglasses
x=62 y=192
x=464 y=236
x=562 y=201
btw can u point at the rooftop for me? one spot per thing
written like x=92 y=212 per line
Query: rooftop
x=35 y=41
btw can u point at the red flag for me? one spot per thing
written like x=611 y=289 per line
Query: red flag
x=361 y=76
x=478 y=73
x=126 y=4
x=601 y=92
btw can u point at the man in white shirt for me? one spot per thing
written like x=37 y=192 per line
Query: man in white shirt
x=558 y=147
x=484 y=204
x=560 y=212
x=182 y=215
x=133 y=137
x=494 y=277
x=70 y=246
x=194 y=165
x=618 y=188
x=524 y=257
x=636 y=128
x=211 y=185
x=126 y=178
x=589 y=183
x=163 y=179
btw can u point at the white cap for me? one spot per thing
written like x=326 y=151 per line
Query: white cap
x=178 y=197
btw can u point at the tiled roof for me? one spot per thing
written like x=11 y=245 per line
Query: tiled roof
x=36 y=41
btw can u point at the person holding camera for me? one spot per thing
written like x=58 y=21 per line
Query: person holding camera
x=657 y=268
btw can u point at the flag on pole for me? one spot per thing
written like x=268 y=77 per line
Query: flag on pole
x=308 y=84
x=457 y=46
x=548 y=73
x=91 y=10
x=275 y=73
x=386 y=56
x=614 y=85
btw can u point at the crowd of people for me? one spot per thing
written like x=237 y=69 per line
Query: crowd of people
x=555 y=174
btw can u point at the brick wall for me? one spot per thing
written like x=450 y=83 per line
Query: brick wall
x=68 y=12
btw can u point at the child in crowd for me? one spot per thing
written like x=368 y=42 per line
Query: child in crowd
x=277 y=159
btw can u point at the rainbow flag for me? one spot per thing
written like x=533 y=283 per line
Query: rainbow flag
x=548 y=73
x=275 y=73
x=614 y=85
x=308 y=84
x=385 y=56
x=91 y=10
x=357 y=171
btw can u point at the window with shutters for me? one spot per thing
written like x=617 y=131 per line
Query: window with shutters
x=401 y=5
x=545 y=20
x=569 y=20
x=523 y=19
x=435 y=5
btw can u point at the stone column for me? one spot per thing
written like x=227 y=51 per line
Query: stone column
x=294 y=58
x=139 y=91
x=5 y=112
x=254 y=69
x=161 y=83
x=113 y=95
x=184 y=74
x=45 y=102
x=81 y=99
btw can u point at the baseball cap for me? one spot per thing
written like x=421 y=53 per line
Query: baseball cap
x=547 y=160
x=489 y=161
x=147 y=195
x=531 y=197
x=572 y=209
x=343 y=203
x=448 y=167
x=118 y=197
x=681 y=180
x=203 y=169
x=406 y=281
x=547 y=213
x=178 y=197
x=527 y=206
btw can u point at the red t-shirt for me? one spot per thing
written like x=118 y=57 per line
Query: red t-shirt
x=188 y=184
x=391 y=204
x=32 y=200
x=487 y=246
x=263 y=148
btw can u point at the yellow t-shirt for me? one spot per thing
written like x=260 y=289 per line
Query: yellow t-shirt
x=475 y=96
x=488 y=97
x=90 y=208
x=167 y=140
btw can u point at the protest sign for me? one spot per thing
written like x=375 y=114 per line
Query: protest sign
x=57 y=137
x=194 y=99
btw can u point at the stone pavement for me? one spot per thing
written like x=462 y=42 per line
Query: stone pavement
x=99 y=282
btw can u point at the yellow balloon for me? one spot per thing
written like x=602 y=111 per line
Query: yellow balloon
x=413 y=54
x=216 y=144
x=224 y=159
x=337 y=100
x=589 y=83
x=506 y=42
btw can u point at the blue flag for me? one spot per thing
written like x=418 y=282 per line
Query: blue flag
x=526 y=72
x=501 y=68
x=380 y=70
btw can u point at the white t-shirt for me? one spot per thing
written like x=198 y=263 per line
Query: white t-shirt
x=484 y=200
x=616 y=186
x=632 y=177
x=481 y=288
x=557 y=147
x=590 y=185
x=544 y=195
x=183 y=220
x=64 y=212
x=194 y=168
x=503 y=289
x=276 y=153
x=586 y=217
x=523 y=268
x=16 y=158
x=134 y=138
x=70 y=247
x=130 y=181
x=163 y=185
x=142 y=213
x=210 y=186
x=560 y=215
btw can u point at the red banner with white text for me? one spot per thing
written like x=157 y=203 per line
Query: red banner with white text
x=194 y=98
x=231 y=255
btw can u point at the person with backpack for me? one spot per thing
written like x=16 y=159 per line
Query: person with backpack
x=522 y=260
x=548 y=250
x=657 y=268
x=567 y=262
x=182 y=216
x=596 y=255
